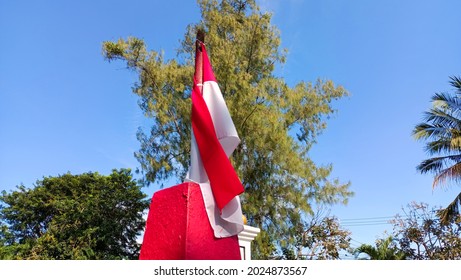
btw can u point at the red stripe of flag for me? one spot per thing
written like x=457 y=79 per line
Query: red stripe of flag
x=224 y=181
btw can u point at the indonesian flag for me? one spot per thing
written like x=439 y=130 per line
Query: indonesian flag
x=214 y=138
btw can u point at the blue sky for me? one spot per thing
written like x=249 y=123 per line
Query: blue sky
x=63 y=108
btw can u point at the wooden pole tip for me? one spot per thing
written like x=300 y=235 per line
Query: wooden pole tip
x=201 y=35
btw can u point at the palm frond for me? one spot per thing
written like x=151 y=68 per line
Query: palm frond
x=446 y=101
x=424 y=131
x=442 y=129
x=451 y=211
x=456 y=83
x=437 y=164
x=455 y=142
x=452 y=173
x=433 y=165
x=440 y=147
x=442 y=118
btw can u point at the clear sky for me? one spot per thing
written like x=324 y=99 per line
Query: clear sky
x=63 y=108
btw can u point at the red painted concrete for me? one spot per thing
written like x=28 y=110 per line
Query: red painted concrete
x=177 y=228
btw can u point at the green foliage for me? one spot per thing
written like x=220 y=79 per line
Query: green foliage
x=384 y=249
x=322 y=238
x=442 y=131
x=277 y=123
x=87 y=216
x=325 y=239
x=423 y=236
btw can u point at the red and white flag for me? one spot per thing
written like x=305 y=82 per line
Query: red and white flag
x=214 y=138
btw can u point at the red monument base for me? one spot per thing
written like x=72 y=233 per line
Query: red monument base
x=177 y=228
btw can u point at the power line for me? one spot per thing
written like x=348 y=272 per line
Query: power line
x=361 y=222
x=356 y=241
x=367 y=222
x=370 y=221
x=370 y=224
x=372 y=218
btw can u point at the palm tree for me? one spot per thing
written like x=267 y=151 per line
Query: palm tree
x=385 y=249
x=442 y=129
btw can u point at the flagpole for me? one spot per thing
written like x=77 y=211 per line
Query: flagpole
x=198 y=75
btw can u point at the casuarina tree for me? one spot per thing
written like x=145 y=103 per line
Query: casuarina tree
x=278 y=123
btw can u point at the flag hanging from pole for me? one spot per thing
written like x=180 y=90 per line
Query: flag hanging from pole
x=214 y=138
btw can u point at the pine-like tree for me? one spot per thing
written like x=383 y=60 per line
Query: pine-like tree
x=277 y=123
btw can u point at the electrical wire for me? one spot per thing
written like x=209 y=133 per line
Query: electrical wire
x=373 y=218
x=371 y=221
